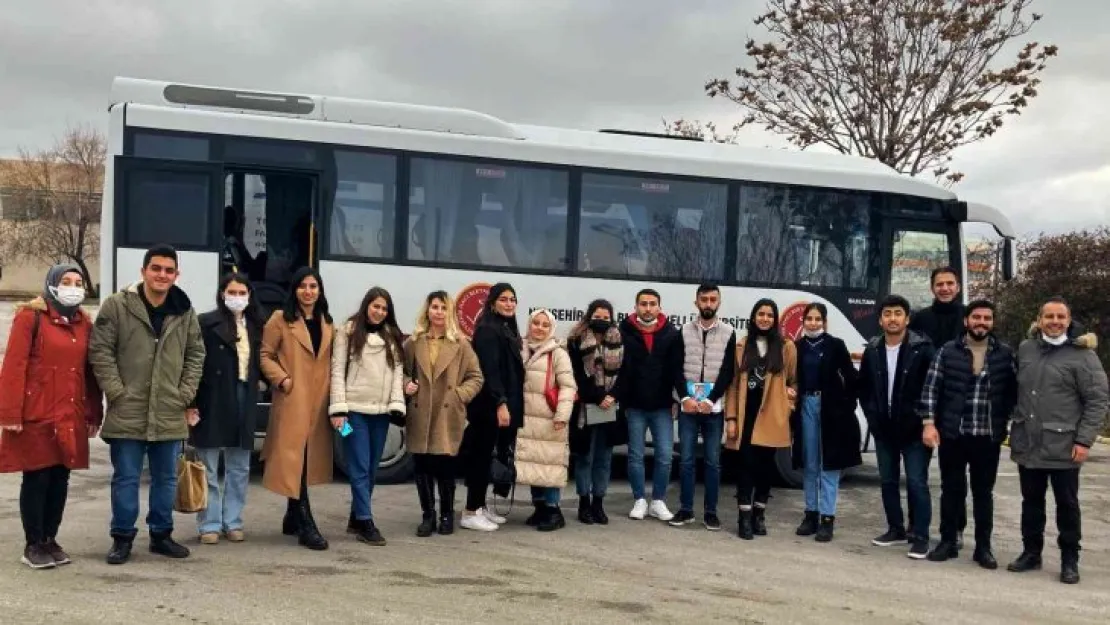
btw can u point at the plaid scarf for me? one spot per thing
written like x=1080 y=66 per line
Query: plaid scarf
x=602 y=359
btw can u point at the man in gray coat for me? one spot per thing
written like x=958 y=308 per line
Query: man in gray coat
x=1062 y=401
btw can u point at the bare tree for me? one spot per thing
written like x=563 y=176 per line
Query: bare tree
x=696 y=129
x=52 y=201
x=905 y=82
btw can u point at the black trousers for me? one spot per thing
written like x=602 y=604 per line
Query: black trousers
x=42 y=501
x=756 y=471
x=438 y=466
x=1065 y=487
x=480 y=440
x=977 y=455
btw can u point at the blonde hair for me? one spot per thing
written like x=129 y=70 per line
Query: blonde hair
x=452 y=331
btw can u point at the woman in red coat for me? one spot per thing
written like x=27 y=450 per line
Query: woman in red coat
x=50 y=406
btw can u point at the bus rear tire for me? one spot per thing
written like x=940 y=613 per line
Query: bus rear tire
x=788 y=475
x=396 y=470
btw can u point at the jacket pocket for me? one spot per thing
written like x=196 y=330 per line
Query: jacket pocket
x=1019 y=436
x=1058 y=441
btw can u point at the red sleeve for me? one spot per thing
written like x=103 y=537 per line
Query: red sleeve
x=13 y=375
x=94 y=399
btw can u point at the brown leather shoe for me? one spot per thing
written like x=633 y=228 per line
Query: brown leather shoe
x=210 y=539
x=236 y=536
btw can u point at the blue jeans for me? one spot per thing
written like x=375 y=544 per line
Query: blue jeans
x=549 y=496
x=225 y=509
x=710 y=427
x=820 y=486
x=127 y=466
x=916 y=457
x=365 y=445
x=593 y=468
x=661 y=425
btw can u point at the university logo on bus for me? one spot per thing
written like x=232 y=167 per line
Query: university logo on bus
x=469 y=303
x=791 y=320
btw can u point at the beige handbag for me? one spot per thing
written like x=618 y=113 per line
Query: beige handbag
x=192 y=484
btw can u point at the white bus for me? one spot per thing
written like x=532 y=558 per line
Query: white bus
x=417 y=198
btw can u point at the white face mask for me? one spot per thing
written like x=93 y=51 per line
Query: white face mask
x=68 y=295
x=1057 y=341
x=236 y=303
x=814 y=333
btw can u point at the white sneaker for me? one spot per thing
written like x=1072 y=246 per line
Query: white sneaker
x=478 y=522
x=659 y=510
x=493 y=516
x=639 y=509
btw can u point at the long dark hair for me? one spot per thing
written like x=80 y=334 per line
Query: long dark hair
x=821 y=310
x=291 y=309
x=252 y=314
x=490 y=316
x=360 y=327
x=774 y=340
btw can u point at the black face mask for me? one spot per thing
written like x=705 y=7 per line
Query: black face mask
x=707 y=313
x=600 y=325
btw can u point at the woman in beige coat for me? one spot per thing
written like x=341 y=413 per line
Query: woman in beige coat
x=542 y=452
x=442 y=377
x=296 y=360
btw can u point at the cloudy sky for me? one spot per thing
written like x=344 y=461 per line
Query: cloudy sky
x=577 y=63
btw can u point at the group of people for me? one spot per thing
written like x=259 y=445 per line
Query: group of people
x=512 y=407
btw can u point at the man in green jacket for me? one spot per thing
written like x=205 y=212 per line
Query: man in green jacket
x=147 y=353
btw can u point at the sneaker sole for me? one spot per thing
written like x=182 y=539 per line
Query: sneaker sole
x=680 y=523
x=881 y=543
x=713 y=528
x=48 y=565
x=916 y=556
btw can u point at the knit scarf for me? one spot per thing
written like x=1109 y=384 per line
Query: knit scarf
x=602 y=359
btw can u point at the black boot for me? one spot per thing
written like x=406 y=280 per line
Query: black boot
x=1027 y=561
x=538 y=516
x=162 y=544
x=1069 y=566
x=309 y=535
x=825 y=529
x=369 y=534
x=353 y=526
x=585 y=511
x=289 y=525
x=746 y=531
x=945 y=550
x=597 y=510
x=553 y=520
x=446 y=505
x=984 y=557
x=809 y=524
x=425 y=490
x=121 y=549
x=759 y=521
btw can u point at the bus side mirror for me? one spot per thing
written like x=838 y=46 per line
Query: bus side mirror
x=1009 y=259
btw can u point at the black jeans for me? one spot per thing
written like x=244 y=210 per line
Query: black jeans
x=42 y=500
x=757 y=469
x=438 y=466
x=958 y=456
x=480 y=440
x=1065 y=487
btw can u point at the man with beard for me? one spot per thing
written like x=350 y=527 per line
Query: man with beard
x=970 y=391
x=650 y=370
x=942 y=321
x=708 y=366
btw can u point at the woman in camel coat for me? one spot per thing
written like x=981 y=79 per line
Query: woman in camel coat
x=542 y=449
x=296 y=360
x=442 y=377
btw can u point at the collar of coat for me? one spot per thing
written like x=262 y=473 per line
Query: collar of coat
x=39 y=304
x=177 y=302
x=1088 y=340
x=528 y=354
x=913 y=339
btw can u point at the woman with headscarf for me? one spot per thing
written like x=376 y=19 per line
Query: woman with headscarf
x=596 y=352
x=296 y=360
x=497 y=412
x=549 y=393
x=50 y=405
x=757 y=412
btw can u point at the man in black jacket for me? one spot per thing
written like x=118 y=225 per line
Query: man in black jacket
x=891 y=378
x=650 y=373
x=969 y=394
x=942 y=321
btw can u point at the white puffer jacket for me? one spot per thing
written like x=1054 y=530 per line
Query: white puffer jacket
x=542 y=452
x=369 y=386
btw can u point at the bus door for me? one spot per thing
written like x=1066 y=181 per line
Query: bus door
x=177 y=203
x=912 y=250
x=269 y=227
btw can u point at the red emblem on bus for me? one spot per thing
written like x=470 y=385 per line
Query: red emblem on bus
x=468 y=305
x=791 y=320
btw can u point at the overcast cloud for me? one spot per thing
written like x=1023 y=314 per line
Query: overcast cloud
x=577 y=63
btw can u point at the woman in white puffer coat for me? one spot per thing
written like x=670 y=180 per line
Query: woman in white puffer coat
x=543 y=453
